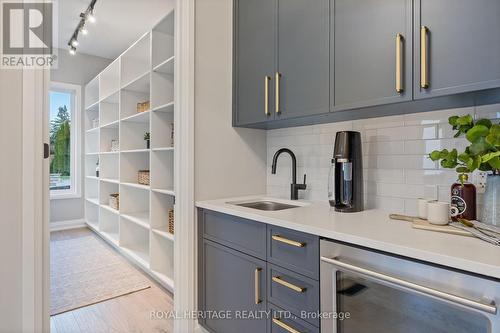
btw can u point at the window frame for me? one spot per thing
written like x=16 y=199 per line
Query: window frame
x=75 y=192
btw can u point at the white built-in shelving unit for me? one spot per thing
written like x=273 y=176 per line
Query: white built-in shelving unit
x=139 y=229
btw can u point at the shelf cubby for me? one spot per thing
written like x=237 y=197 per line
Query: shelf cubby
x=134 y=240
x=92 y=212
x=90 y=165
x=110 y=80
x=92 y=141
x=163 y=40
x=162 y=170
x=130 y=164
x=92 y=93
x=160 y=206
x=132 y=135
x=91 y=188
x=162 y=258
x=91 y=114
x=109 y=225
x=108 y=134
x=129 y=100
x=109 y=165
x=162 y=89
x=106 y=189
x=135 y=206
x=136 y=60
x=110 y=110
x=161 y=130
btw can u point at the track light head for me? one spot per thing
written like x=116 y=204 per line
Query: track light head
x=74 y=42
x=84 y=31
x=72 y=50
x=90 y=16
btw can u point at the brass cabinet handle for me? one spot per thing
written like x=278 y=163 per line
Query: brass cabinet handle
x=266 y=94
x=424 y=66
x=257 y=285
x=278 y=238
x=278 y=79
x=284 y=326
x=287 y=284
x=399 y=63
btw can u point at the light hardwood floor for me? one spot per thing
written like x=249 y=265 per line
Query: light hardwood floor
x=128 y=313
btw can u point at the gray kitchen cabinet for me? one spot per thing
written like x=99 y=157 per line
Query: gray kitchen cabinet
x=457 y=46
x=372 y=52
x=303 y=58
x=281 y=60
x=254 y=60
x=232 y=282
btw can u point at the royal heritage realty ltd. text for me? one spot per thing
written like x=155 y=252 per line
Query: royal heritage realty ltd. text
x=245 y=314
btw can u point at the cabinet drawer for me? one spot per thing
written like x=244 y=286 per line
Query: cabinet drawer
x=293 y=292
x=280 y=322
x=294 y=250
x=235 y=232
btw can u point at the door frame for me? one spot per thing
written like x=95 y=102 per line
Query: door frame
x=36 y=197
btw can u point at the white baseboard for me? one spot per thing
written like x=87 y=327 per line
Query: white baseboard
x=65 y=225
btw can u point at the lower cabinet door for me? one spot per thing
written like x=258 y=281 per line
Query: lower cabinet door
x=233 y=291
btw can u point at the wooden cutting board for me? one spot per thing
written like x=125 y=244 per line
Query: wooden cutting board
x=418 y=223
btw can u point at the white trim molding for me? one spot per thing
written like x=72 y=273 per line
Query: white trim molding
x=185 y=232
x=66 y=225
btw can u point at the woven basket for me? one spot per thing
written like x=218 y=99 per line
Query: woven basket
x=171 y=221
x=143 y=107
x=143 y=177
x=114 y=201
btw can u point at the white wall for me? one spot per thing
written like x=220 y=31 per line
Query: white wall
x=78 y=69
x=10 y=200
x=228 y=161
x=396 y=167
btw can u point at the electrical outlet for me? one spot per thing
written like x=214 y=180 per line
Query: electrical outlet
x=480 y=181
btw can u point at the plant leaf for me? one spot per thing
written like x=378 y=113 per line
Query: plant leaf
x=484 y=122
x=495 y=162
x=464 y=157
x=489 y=156
x=465 y=120
x=453 y=120
x=462 y=169
x=479 y=147
x=477 y=132
x=435 y=155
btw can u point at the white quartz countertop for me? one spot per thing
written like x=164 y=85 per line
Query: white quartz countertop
x=372 y=229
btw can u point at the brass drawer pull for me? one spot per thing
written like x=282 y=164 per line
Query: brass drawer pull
x=284 y=326
x=287 y=284
x=266 y=94
x=399 y=63
x=424 y=66
x=278 y=79
x=257 y=285
x=278 y=238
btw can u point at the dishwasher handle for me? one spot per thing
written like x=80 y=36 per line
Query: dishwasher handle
x=410 y=286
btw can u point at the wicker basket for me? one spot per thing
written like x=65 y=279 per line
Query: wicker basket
x=143 y=177
x=143 y=107
x=115 y=145
x=114 y=201
x=171 y=221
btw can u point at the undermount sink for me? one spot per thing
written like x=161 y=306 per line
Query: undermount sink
x=266 y=205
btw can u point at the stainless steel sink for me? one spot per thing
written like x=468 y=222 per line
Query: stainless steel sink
x=266 y=205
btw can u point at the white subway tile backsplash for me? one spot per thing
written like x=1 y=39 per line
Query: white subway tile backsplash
x=397 y=169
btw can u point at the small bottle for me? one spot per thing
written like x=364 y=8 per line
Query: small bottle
x=97 y=169
x=463 y=199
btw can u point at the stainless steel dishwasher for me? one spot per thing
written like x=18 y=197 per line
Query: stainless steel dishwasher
x=364 y=291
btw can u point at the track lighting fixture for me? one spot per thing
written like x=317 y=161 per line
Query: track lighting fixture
x=87 y=16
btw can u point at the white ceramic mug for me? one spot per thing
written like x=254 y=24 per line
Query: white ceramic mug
x=438 y=212
x=422 y=207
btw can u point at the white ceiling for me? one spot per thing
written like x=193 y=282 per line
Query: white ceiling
x=119 y=23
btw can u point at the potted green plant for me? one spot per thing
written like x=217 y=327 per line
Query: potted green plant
x=147 y=138
x=483 y=154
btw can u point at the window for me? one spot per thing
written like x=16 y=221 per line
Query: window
x=64 y=132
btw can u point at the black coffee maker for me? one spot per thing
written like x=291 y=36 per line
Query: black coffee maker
x=345 y=182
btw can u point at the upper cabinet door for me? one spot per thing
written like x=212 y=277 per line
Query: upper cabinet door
x=372 y=52
x=254 y=60
x=303 y=58
x=457 y=46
